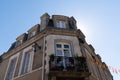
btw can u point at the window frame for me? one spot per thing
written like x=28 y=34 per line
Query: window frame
x=9 y=63
x=30 y=63
x=63 y=56
x=62 y=48
x=19 y=42
x=32 y=33
x=61 y=24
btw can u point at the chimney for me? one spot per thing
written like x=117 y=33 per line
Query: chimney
x=44 y=21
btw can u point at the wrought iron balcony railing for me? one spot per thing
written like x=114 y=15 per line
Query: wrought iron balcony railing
x=75 y=64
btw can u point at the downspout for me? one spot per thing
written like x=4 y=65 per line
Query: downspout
x=43 y=67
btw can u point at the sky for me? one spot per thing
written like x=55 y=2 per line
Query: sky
x=99 y=20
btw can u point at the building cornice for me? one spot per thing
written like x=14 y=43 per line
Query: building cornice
x=46 y=32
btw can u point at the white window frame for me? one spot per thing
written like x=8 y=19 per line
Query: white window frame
x=31 y=52
x=62 y=48
x=11 y=58
x=61 y=24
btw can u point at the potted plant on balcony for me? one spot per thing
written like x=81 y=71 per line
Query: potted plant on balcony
x=76 y=57
x=52 y=56
x=59 y=63
x=52 y=62
x=70 y=64
x=78 y=63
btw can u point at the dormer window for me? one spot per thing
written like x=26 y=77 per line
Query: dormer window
x=61 y=24
x=19 y=42
x=31 y=34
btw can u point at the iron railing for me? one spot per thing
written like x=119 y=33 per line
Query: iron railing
x=60 y=63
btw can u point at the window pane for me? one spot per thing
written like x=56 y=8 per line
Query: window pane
x=11 y=69
x=63 y=24
x=58 y=45
x=59 y=61
x=59 y=53
x=66 y=46
x=58 y=24
x=25 y=64
x=66 y=53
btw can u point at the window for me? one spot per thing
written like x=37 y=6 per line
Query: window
x=11 y=68
x=61 y=24
x=19 y=42
x=63 y=49
x=31 y=34
x=26 y=62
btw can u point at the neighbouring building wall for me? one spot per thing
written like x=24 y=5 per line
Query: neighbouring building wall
x=34 y=75
x=98 y=72
x=38 y=54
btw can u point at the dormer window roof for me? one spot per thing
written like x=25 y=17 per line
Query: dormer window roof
x=20 y=39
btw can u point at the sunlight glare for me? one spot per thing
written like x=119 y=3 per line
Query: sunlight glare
x=85 y=29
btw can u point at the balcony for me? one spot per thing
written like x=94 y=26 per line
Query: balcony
x=68 y=67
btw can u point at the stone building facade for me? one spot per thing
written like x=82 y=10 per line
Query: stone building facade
x=53 y=50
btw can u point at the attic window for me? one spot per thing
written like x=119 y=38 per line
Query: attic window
x=61 y=24
x=31 y=34
x=19 y=42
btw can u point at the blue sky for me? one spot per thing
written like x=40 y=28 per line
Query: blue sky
x=99 y=20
